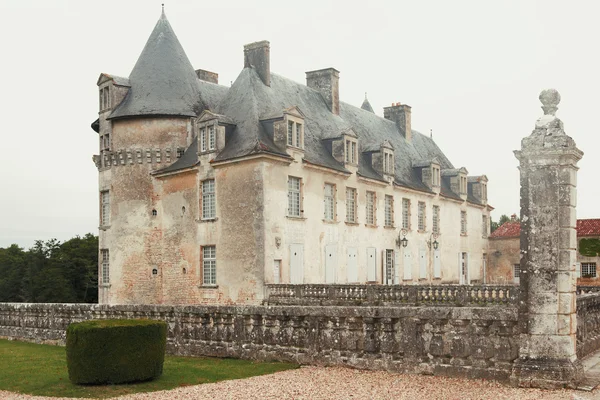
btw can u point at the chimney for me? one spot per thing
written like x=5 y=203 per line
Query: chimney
x=327 y=82
x=257 y=55
x=513 y=217
x=207 y=76
x=400 y=114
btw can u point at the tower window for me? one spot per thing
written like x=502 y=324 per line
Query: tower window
x=154 y=213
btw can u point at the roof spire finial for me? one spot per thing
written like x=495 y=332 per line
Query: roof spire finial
x=162 y=15
x=365 y=95
x=430 y=133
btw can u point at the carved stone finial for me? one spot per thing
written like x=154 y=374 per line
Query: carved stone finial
x=550 y=99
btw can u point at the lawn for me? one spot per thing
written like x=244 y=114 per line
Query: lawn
x=42 y=370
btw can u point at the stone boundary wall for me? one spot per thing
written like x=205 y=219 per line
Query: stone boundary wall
x=473 y=342
x=588 y=324
x=390 y=295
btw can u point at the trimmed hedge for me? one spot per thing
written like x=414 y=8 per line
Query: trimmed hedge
x=115 y=350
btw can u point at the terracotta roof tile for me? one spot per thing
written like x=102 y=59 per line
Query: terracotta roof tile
x=510 y=229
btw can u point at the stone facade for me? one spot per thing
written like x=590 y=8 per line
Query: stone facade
x=168 y=131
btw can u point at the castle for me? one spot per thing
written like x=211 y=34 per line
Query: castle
x=207 y=193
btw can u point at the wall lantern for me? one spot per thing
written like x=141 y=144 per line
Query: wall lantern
x=433 y=241
x=402 y=240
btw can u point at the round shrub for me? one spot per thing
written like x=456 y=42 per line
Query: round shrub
x=115 y=350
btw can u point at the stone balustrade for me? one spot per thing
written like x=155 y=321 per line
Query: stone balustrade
x=381 y=295
x=588 y=324
x=476 y=342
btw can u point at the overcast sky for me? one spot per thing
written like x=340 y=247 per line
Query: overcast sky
x=471 y=70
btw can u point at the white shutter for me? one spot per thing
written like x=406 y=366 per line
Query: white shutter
x=407 y=265
x=461 y=280
x=422 y=264
x=397 y=264
x=296 y=263
x=578 y=269
x=330 y=263
x=352 y=265
x=277 y=271
x=468 y=269
x=437 y=265
x=371 y=264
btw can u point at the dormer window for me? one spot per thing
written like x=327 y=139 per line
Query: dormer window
x=435 y=175
x=207 y=138
x=295 y=133
x=351 y=151
x=463 y=184
x=388 y=162
x=105 y=98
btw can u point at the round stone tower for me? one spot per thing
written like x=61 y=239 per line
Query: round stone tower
x=145 y=124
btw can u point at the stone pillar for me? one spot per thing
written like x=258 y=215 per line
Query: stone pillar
x=548 y=315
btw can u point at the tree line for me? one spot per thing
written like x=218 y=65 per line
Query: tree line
x=51 y=271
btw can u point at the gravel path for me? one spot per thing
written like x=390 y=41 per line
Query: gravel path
x=343 y=383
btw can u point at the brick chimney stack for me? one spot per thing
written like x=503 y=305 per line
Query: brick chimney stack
x=401 y=115
x=258 y=56
x=327 y=82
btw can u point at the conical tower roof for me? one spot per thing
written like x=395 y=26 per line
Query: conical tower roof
x=366 y=105
x=163 y=81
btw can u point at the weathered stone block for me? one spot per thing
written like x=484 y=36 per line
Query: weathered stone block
x=567 y=217
x=566 y=323
x=566 y=259
x=543 y=324
x=543 y=302
x=567 y=238
x=567 y=195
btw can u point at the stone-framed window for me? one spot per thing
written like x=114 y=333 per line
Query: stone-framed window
x=463 y=222
x=208 y=138
x=516 y=271
x=105 y=142
x=209 y=206
x=422 y=221
x=484 y=191
x=389 y=211
x=295 y=132
x=294 y=197
x=588 y=270
x=388 y=162
x=389 y=266
x=104 y=208
x=329 y=202
x=351 y=205
x=436 y=220
x=209 y=265
x=104 y=256
x=351 y=151
x=371 y=208
x=484 y=226
x=435 y=175
x=406 y=214
x=105 y=98
x=462 y=184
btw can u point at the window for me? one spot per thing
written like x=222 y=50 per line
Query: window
x=516 y=271
x=105 y=142
x=105 y=266
x=295 y=134
x=209 y=209
x=435 y=176
x=421 y=215
x=294 y=197
x=484 y=226
x=463 y=184
x=389 y=266
x=436 y=219
x=483 y=191
x=351 y=154
x=104 y=208
x=179 y=152
x=389 y=210
x=329 y=202
x=104 y=98
x=203 y=140
x=388 y=163
x=211 y=137
x=463 y=222
x=350 y=205
x=209 y=265
x=371 y=208
x=405 y=213
x=588 y=270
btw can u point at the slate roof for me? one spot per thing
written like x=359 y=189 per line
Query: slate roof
x=163 y=81
x=187 y=160
x=366 y=105
x=512 y=229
